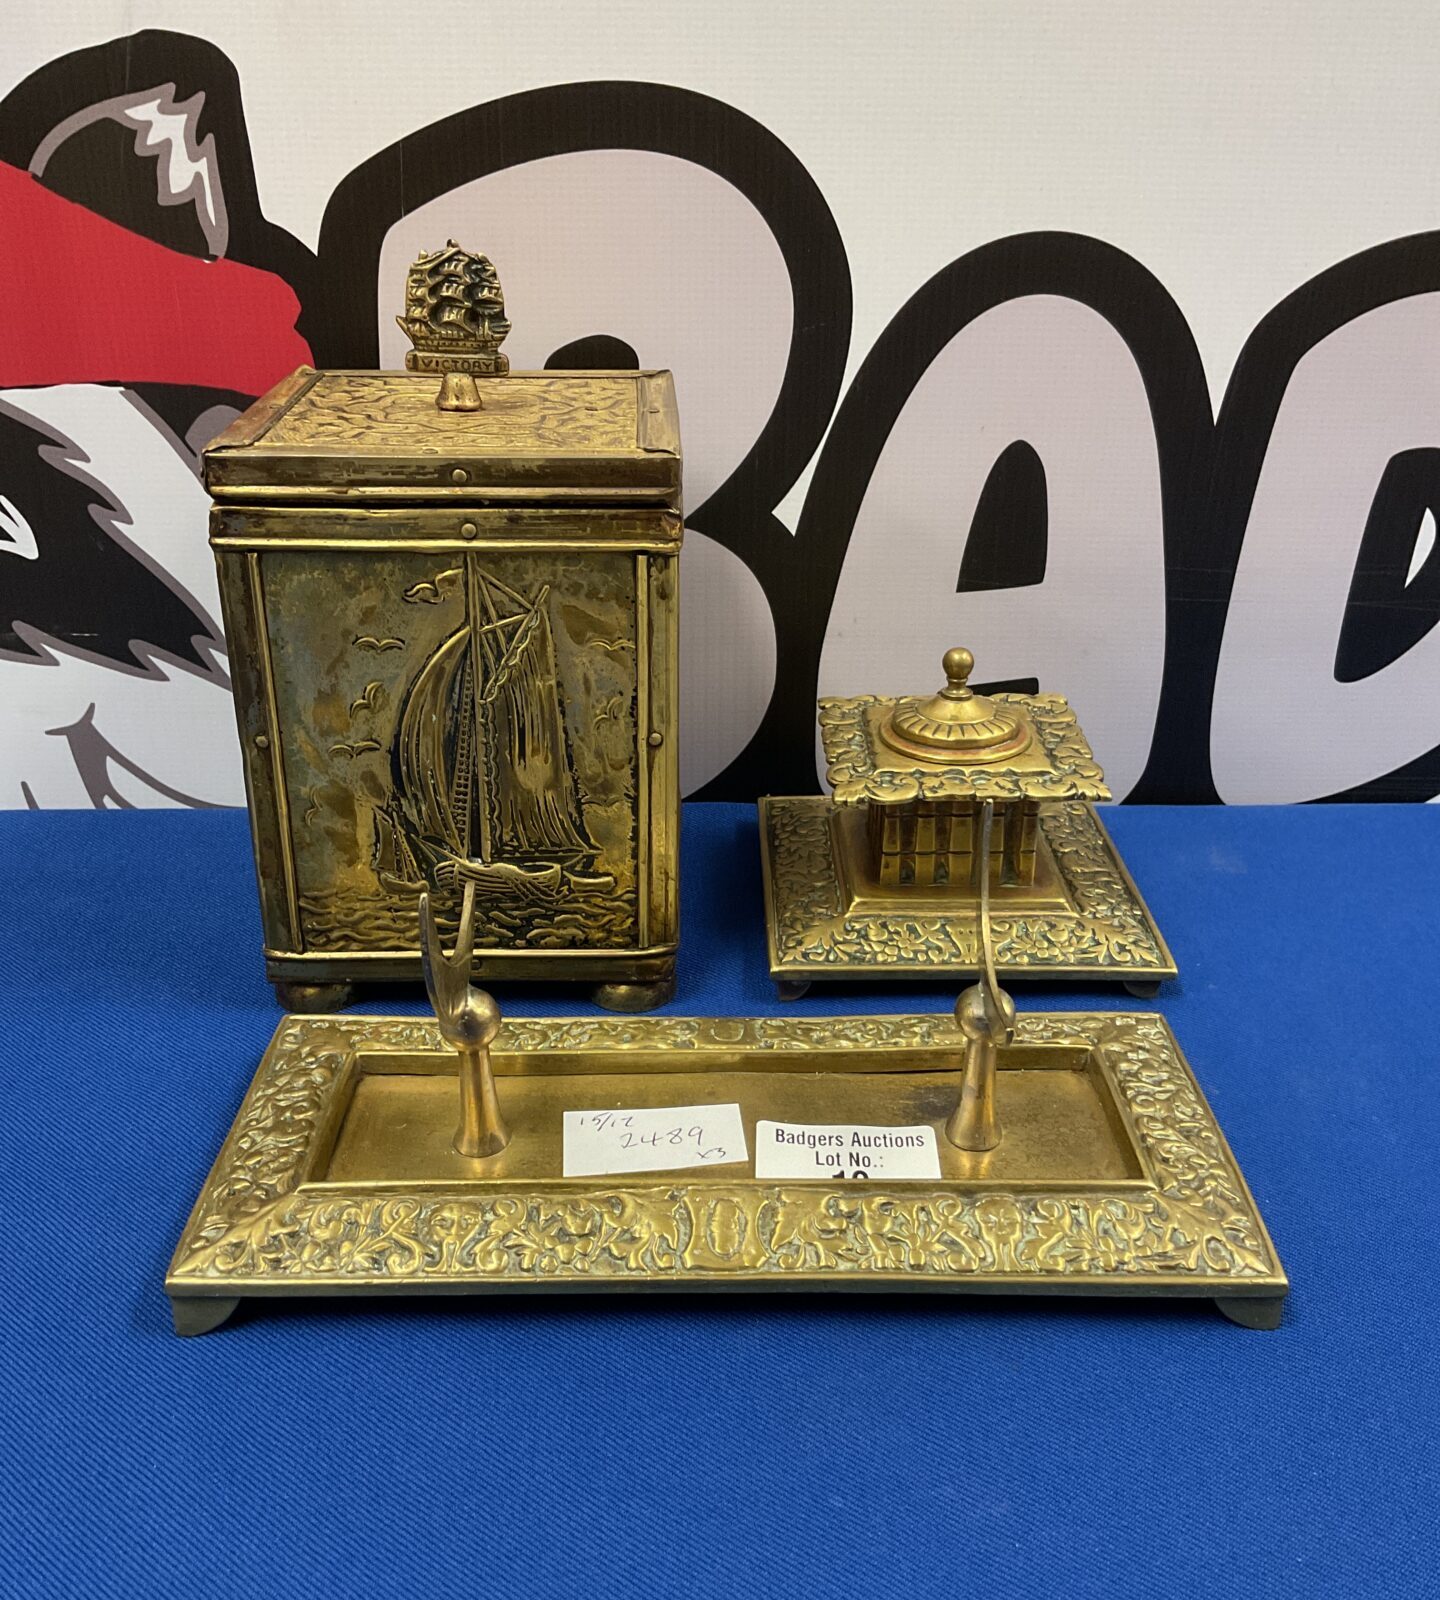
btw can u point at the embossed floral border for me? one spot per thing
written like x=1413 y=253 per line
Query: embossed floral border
x=258 y=1228
x=848 y=733
x=814 y=935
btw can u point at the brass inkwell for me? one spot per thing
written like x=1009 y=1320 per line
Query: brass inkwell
x=881 y=879
x=451 y=596
x=1071 y=1153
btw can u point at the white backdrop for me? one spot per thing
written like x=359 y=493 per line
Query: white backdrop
x=1234 y=152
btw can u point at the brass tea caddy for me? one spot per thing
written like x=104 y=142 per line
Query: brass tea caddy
x=451 y=598
x=881 y=879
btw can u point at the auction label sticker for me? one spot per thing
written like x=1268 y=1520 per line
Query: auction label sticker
x=655 y=1139
x=834 y=1150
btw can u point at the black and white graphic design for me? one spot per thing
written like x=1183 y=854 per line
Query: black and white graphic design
x=1239 y=592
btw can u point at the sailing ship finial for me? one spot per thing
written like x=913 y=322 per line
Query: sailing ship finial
x=455 y=321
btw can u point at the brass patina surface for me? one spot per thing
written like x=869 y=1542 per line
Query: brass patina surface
x=468 y=1020
x=882 y=879
x=455 y=321
x=985 y=1014
x=957 y=724
x=453 y=644
x=340 y=1175
x=863 y=767
x=537 y=438
x=825 y=917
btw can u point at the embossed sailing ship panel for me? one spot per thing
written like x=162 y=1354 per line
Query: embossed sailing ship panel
x=420 y=712
x=455 y=719
x=451 y=597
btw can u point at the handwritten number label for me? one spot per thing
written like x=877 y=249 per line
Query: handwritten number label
x=655 y=1139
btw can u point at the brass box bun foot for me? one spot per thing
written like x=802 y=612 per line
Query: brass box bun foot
x=635 y=996
x=311 y=998
x=792 y=988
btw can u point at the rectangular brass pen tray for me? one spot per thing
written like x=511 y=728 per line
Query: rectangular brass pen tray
x=339 y=1177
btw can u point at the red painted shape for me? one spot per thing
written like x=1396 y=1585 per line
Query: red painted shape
x=83 y=300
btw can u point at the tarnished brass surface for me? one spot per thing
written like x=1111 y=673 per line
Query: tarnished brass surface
x=455 y=321
x=882 y=878
x=340 y=1175
x=1082 y=918
x=539 y=438
x=957 y=723
x=453 y=644
x=468 y=1020
x=863 y=767
x=985 y=1014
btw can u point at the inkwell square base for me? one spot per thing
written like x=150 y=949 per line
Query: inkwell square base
x=827 y=918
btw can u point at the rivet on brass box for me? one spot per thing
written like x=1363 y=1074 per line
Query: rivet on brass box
x=881 y=880
x=451 y=598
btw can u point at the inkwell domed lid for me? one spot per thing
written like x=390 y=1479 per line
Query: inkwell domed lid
x=956 y=725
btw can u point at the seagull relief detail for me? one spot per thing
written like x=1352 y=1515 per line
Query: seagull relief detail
x=432 y=592
x=368 y=699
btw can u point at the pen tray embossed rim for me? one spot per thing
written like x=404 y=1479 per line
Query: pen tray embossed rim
x=338 y=1176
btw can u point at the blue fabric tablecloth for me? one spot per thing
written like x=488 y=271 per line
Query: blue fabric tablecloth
x=747 y=1446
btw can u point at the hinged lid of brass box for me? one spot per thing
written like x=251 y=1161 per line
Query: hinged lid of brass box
x=881 y=879
x=561 y=438
x=451 y=599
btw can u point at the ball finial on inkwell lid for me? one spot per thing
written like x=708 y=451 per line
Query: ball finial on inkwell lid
x=956 y=724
